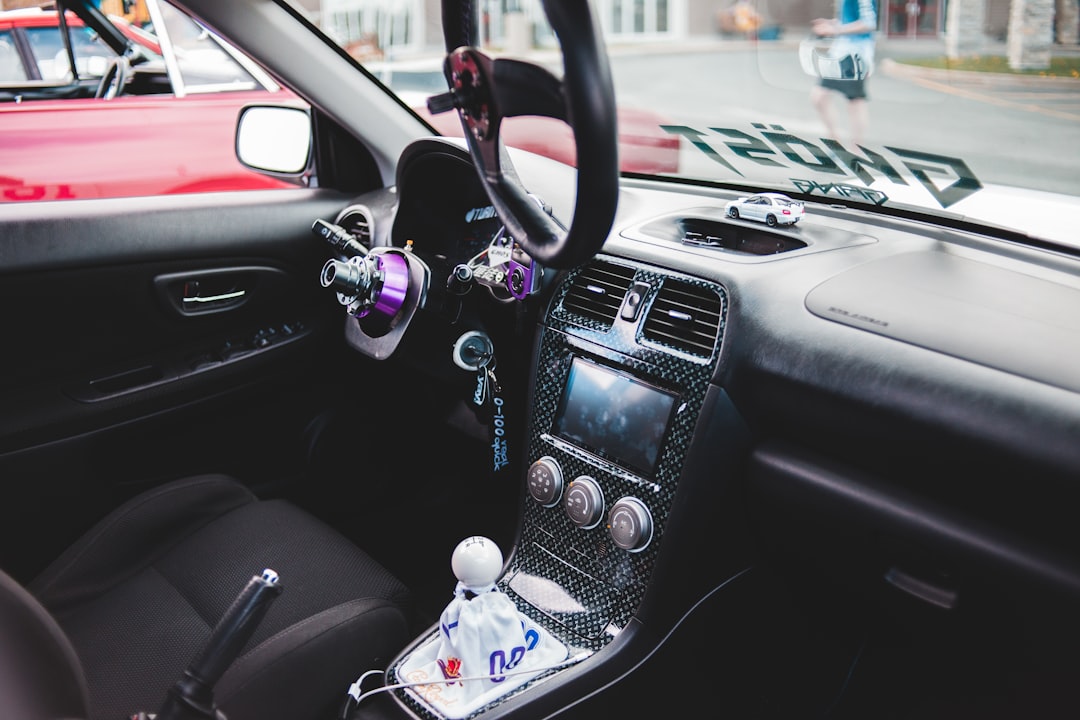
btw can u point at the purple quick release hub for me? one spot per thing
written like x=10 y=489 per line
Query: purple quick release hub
x=395 y=271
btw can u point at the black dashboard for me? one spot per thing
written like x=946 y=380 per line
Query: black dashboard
x=820 y=470
x=709 y=393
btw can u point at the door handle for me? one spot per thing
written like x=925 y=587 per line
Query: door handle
x=192 y=290
x=222 y=289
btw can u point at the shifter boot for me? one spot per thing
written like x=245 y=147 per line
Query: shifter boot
x=484 y=648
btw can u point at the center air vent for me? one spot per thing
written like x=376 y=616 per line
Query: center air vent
x=707 y=228
x=597 y=293
x=685 y=317
x=356 y=219
x=735 y=238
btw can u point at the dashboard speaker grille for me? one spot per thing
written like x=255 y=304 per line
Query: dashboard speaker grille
x=685 y=317
x=597 y=293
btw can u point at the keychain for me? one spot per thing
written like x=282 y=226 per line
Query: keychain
x=474 y=352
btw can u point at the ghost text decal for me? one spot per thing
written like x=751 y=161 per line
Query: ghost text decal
x=947 y=179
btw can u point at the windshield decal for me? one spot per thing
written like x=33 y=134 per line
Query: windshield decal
x=860 y=166
x=812 y=187
x=965 y=183
x=750 y=148
x=695 y=138
x=947 y=179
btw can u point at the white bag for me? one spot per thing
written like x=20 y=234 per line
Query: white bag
x=839 y=58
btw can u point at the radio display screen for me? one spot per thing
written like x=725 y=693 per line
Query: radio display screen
x=613 y=416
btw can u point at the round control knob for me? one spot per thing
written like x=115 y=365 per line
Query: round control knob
x=545 y=481
x=584 y=502
x=630 y=524
x=477 y=562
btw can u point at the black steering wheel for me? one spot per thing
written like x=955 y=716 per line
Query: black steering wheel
x=114 y=78
x=485 y=91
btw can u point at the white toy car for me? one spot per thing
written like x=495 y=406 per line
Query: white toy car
x=770 y=208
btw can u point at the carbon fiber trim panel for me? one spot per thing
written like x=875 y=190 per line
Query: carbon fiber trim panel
x=577 y=583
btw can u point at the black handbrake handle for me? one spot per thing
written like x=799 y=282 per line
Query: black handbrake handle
x=192 y=697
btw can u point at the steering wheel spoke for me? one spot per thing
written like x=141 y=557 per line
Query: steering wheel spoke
x=485 y=91
x=470 y=74
x=523 y=88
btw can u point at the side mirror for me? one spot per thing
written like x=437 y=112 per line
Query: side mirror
x=274 y=139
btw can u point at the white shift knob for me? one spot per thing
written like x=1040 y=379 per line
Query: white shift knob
x=477 y=562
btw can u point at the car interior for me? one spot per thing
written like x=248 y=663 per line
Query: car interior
x=824 y=470
x=92 y=53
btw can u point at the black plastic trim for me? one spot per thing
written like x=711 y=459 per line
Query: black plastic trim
x=840 y=497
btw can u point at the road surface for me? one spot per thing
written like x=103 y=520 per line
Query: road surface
x=1021 y=133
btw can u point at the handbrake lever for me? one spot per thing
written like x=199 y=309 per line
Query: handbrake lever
x=192 y=697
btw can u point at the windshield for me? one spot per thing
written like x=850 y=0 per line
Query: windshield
x=959 y=109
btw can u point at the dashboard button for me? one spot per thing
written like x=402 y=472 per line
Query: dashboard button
x=545 y=481
x=630 y=524
x=584 y=502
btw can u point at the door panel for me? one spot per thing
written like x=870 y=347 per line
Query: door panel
x=111 y=381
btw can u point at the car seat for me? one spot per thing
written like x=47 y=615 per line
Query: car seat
x=109 y=627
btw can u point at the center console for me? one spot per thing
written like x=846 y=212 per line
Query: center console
x=623 y=363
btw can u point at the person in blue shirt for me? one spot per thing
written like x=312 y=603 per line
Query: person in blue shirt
x=853 y=34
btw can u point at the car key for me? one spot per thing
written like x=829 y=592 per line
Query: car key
x=480 y=394
x=475 y=352
x=486 y=384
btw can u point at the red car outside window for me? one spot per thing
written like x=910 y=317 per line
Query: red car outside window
x=86 y=147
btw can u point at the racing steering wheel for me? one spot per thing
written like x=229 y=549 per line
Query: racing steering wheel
x=484 y=91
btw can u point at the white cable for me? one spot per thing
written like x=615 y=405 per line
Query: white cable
x=360 y=694
x=664 y=639
x=570 y=661
x=355 y=690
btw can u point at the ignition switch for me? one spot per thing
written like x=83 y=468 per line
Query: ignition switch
x=473 y=351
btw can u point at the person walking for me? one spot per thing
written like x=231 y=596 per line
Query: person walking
x=853 y=34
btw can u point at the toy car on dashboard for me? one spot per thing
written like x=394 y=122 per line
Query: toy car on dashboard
x=770 y=208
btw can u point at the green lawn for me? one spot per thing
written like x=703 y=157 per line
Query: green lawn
x=1059 y=67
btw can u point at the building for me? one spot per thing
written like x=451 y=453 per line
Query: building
x=404 y=27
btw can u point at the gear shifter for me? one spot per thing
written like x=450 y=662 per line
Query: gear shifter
x=484 y=647
x=192 y=697
x=477 y=563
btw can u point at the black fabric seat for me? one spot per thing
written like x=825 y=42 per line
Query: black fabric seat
x=139 y=594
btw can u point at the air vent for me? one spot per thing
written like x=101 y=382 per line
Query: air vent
x=356 y=219
x=597 y=293
x=685 y=317
x=735 y=238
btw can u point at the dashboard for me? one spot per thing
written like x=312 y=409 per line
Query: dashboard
x=699 y=386
x=830 y=467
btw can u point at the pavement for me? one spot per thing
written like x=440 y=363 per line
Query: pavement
x=1057 y=97
x=895 y=48
x=1051 y=96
